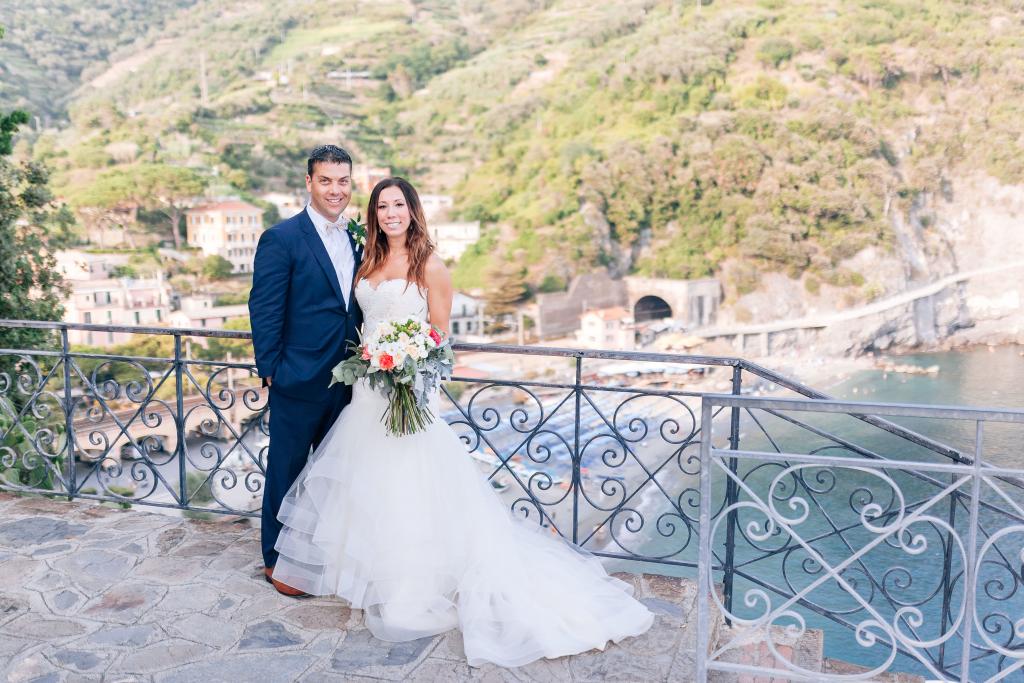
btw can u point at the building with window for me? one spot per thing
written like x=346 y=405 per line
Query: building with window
x=436 y=206
x=83 y=265
x=230 y=229
x=452 y=239
x=467 y=321
x=607 y=328
x=211 y=318
x=115 y=301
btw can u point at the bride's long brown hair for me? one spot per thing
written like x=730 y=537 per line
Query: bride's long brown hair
x=417 y=240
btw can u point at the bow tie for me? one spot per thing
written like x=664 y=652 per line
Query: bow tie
x=341 y=227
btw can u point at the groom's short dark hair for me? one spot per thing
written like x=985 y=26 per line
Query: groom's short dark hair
x=327 y=154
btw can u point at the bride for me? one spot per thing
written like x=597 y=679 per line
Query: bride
x=406 y=529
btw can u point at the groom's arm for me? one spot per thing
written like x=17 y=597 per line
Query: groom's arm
x=268 y=301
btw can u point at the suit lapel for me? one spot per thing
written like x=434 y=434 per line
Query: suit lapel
x=316 y=245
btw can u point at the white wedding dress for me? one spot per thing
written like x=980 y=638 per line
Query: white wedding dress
x=407 y=529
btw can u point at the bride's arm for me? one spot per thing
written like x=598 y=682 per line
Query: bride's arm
x=439 y=293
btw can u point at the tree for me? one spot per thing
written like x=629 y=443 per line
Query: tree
x=9 y=124
x=170 y=187
x=217 y=268
x=124 y=271
x=506 y=289
x=157 y=187
x=32 y=227
x=775 y=51
x=401 y=82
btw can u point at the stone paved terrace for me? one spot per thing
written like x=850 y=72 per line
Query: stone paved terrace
x=95 y=593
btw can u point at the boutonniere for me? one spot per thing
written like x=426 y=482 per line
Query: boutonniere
x=358 y=230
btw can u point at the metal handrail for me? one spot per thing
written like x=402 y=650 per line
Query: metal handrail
x=579 y=355
x=176 y=372
x=582 y=354
x=965 y=507
x=862 y=407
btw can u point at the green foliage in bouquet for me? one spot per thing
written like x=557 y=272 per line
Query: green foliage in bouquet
x=406 y=379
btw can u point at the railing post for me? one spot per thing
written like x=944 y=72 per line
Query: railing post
x=69 y=406
x=970 y=571
x=705 y=558
x=947 y=567
x=179 y=422
x=731 y=494
x=576 y=477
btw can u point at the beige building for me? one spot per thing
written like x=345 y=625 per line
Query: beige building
x=97 y=298
x=113 y=301
x=452 y=239
x=76 y=265
x=229 y=228
x=212 y=318
x=436 y=206
x=607 y=328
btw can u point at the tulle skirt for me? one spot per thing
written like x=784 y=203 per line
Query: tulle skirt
x=408 y=530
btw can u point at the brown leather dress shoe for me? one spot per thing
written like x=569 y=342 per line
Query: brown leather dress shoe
x=283 y=588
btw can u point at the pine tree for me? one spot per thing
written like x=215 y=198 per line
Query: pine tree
x=506 y=289
x=157 y=187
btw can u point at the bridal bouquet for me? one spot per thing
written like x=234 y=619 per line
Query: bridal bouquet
x=405 y=360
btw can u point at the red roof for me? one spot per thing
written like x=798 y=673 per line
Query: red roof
x=232 y=205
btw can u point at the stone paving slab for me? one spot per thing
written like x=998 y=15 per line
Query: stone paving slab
x=98 y=593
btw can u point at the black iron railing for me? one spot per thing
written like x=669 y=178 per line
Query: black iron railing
x=602 y=447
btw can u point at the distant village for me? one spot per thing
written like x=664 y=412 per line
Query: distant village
x=596 y=311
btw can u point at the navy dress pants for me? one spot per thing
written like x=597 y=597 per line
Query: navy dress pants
x=297 y=427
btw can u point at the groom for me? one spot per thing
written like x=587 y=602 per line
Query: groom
x=303 y=315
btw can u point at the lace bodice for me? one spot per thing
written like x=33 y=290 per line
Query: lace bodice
x=389 y=300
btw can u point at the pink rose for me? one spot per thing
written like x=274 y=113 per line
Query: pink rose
x=366 y=353
x=386 y=361
x=435 y=335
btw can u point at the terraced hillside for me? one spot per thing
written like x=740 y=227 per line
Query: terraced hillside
x=647 y=136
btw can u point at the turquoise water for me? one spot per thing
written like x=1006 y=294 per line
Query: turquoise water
x=982 y=377
x=978 y=377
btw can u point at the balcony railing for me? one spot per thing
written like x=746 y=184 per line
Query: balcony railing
x=918 y=557
x=632 y=456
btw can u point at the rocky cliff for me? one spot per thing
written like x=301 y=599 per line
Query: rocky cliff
x=954 y=277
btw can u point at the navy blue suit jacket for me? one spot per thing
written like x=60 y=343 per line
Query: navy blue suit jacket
x=301 y=327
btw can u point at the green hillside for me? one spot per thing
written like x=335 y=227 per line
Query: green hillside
x=54 y=45
x=645 y=136
x=664 y=142
x=275 y=84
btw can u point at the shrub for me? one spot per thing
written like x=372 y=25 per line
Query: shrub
x=763 y=93
x=552 y=283
x=775 y=51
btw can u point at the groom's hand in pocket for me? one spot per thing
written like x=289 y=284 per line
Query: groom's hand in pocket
x=267 y=381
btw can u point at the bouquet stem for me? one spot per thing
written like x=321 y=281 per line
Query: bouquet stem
x=402 y=416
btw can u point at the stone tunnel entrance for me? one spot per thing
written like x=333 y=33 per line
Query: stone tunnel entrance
x=651 y=308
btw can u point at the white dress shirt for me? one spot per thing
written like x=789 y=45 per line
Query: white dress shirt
x=338 y=246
